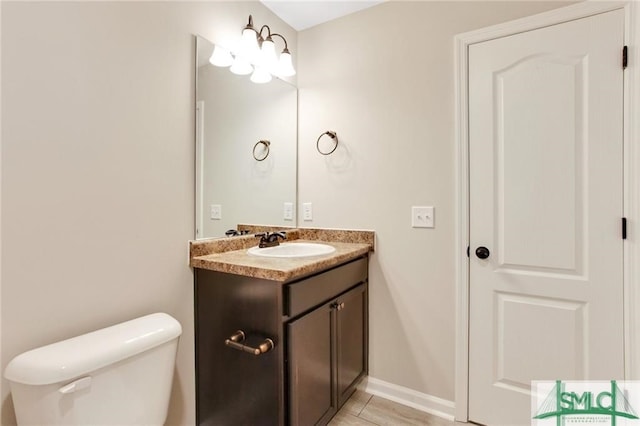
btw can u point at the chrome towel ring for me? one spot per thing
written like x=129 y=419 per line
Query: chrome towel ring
x=259 y=157
x=333 y=135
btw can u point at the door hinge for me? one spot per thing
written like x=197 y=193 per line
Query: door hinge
x=624 y=228
x=625 y=57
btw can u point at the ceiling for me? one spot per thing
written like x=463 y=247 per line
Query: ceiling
x=303 y=14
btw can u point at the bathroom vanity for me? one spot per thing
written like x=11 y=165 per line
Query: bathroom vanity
x=279 y=341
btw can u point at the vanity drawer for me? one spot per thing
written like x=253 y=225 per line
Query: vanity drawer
x=305 y=294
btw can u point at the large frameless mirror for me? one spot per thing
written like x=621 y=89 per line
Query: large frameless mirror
x=246 y=141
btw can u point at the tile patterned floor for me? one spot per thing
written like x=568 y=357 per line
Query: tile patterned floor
x=363 y=409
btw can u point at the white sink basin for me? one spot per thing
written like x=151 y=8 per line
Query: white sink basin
x=292 y=250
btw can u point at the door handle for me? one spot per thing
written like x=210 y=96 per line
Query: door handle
x=482 y=252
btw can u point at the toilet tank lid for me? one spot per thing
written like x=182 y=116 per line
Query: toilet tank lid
x=68 y=359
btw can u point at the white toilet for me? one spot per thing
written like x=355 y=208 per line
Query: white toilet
x=119 y=375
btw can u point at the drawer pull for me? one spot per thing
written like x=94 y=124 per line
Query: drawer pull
x=235 y=341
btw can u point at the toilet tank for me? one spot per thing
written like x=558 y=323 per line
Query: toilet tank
x=119 y=375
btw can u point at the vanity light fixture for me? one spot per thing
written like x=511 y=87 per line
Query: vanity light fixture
x=221 y=57
x=256 y=55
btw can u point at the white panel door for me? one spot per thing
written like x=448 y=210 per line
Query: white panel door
x=546 y=140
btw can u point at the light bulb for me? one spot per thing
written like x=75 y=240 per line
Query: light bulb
x=285 y=65
x=260 y=75
x=268 y=57
x=249 y=45
x=241 y=66
x=221 y=57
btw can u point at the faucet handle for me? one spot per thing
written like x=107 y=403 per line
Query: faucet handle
x=275 y=235
x=264 y=238
x=270 y=239
x=271 y=235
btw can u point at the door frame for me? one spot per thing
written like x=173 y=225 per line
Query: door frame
x=631 y=164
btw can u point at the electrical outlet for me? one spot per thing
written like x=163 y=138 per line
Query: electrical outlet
x=216 y=211
x=288 y=211
x=422 y=217
x=307 y=211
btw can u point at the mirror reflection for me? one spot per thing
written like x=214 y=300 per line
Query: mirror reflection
x=246 y=138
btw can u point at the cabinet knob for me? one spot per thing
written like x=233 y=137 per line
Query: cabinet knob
x=338 y=306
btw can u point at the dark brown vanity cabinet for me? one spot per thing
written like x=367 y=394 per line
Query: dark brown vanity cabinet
x=351 y=335
x=310 y=360
x=235 y=387
x=318 y=326
x=326 y=357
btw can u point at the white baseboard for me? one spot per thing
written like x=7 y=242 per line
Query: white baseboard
x=409 y=397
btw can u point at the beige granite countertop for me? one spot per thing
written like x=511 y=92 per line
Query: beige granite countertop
x=230 y=254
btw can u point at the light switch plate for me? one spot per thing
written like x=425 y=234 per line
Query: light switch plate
x=216 y=211
x=288 y=211
x=307 y=211
x=422 y=217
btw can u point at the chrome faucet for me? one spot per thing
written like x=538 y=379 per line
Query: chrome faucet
x=270 y=239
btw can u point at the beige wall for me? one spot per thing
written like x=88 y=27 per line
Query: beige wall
x=98 y=168
x=383 y=79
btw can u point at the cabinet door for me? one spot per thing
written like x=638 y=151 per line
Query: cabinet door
x=351 y=341
x=235 y=387
x=311 y=353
